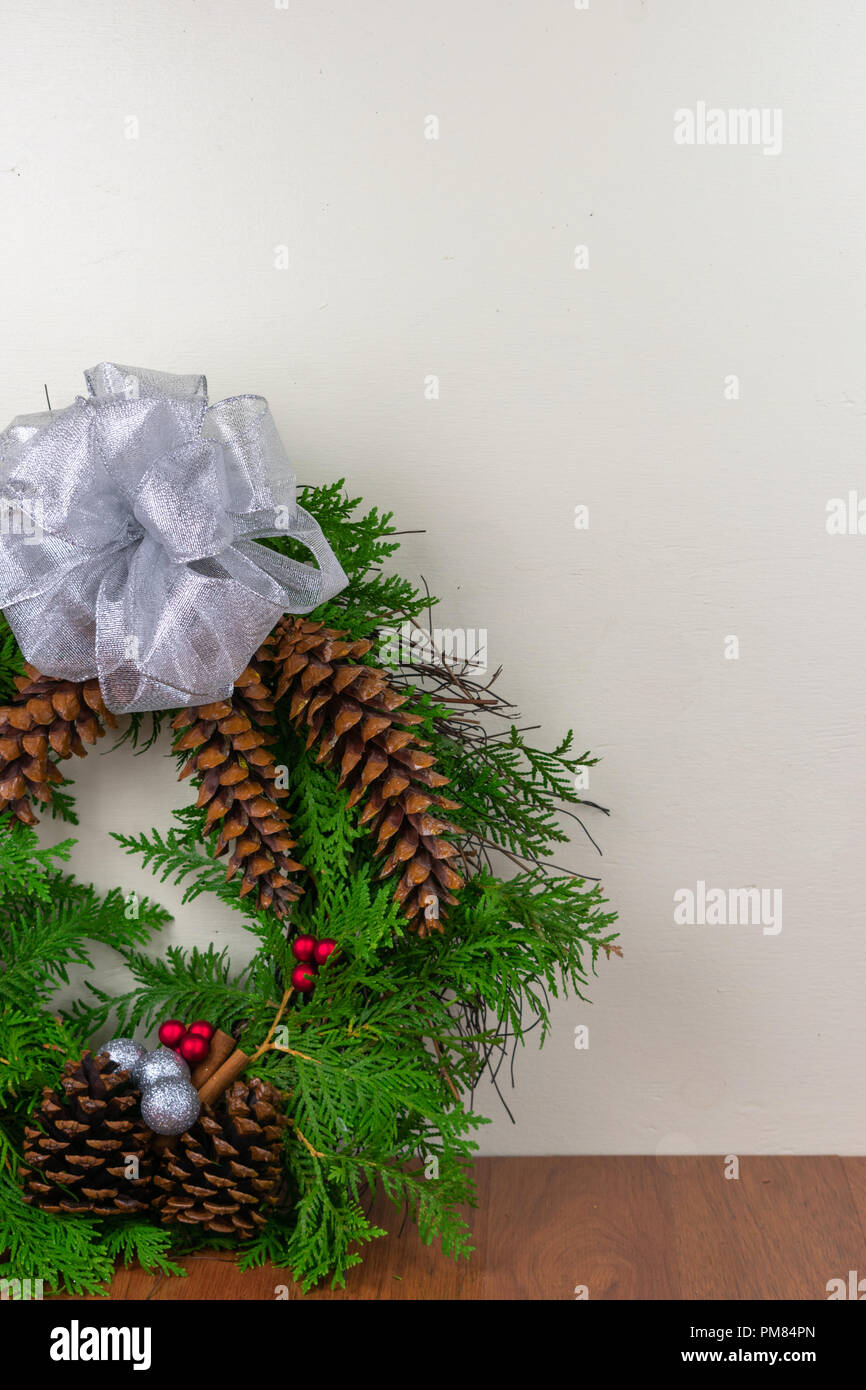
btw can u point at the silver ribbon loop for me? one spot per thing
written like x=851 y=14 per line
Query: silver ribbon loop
x=128 y=524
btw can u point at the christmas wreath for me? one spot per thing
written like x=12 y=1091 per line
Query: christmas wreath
x=365 y=800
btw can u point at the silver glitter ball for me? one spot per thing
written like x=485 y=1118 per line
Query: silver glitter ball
x=126 y=1052
x=160 y=1065
x=170 y=1107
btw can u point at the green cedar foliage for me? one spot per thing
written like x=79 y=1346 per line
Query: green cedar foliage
x=380 y=1062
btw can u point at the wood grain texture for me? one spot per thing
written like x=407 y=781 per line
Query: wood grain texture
x=624 y=1227
x=855 y=1176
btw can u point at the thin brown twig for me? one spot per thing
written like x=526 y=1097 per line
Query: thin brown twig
x=290 y=1052
x=269 y=1045
x=266 y=1045
x=444 y=1070
x=305 y=1141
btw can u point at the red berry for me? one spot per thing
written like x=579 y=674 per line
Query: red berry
x=194 y=1049
x=304 y=977
x=324 y=949
x=171 y=1032
x=202 y=1029
x=303 y=948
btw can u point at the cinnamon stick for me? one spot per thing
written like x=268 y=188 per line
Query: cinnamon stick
x=223 y=1077
x=222 y=1045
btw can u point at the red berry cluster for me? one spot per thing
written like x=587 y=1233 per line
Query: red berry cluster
x=310 y=954
x=192 y=1043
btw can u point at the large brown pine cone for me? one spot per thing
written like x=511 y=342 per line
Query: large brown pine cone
x=227 y=1167
x=357 y=718
x=50 y=719
x=238 y=776
x=80 y=1141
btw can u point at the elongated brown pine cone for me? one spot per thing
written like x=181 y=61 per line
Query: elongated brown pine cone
x=78 y=1145
x=232 y=756
x=227 y=1167
x=50 y=719
x=357 y=718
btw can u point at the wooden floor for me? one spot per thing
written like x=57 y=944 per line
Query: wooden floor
x=625 y=1228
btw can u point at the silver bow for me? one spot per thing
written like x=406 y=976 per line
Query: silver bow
x=127 y=526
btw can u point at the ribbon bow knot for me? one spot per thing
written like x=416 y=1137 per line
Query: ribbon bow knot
x=128 y=524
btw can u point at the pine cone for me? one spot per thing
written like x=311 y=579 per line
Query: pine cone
x=357 y=717
x=49 y=717
x=238 y=786
x=82 y=1139
x=222 y=1171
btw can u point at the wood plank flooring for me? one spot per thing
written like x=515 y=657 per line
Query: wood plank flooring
x=622 y=1227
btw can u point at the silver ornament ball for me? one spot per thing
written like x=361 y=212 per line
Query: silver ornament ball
x=170 y=1107
x=126 y=1052
x=160 y=1065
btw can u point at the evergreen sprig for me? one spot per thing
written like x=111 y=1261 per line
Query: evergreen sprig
x=23 y=865
x=11 y=661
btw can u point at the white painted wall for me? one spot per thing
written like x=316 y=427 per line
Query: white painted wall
x=259 y=127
